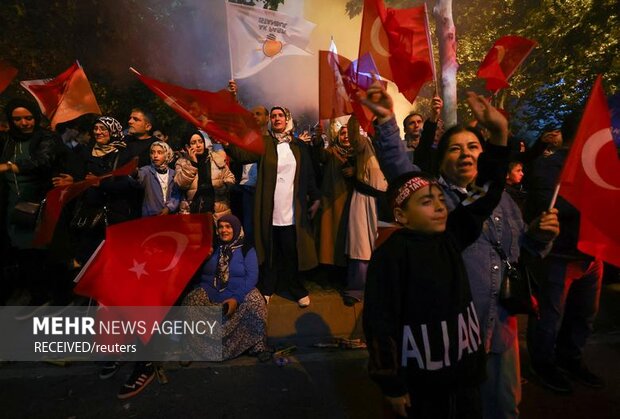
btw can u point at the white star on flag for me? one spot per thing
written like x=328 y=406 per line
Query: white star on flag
x=138 y=269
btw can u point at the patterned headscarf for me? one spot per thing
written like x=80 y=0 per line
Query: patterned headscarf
x=344 y=151
x=168 y=154
x=285 y=136
x=222 y=271
x=116 y=137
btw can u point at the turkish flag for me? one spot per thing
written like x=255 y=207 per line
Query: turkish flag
x=57 y=198
x=65 y=97
x=407 y=60
x=217 y=113
x=590 y=180
x=503 y=59
x=147 y=263
x=339 y=80
x=7 y=74
x=359 y=76
x=374 y=39
x=334 y=100
x=55 y=201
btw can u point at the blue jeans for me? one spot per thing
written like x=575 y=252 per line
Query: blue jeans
x=569 y=302
x=501 y=392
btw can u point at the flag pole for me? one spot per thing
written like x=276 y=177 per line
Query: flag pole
x=554 y=198
x=521 y=62
x=229 y=48
x=430 y=48
x=88 y=262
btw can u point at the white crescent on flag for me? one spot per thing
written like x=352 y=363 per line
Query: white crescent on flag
x=589 y=154
x=181 y=242
x=376 y=29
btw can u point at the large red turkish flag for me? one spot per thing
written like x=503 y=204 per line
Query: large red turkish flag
x=149 y=261
x=146 y=263
x=65 y=97
x=590 y=180
x=217 y=113
x=397 y=40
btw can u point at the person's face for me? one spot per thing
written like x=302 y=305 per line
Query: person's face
x=553 y=138
x=425 y=211
x=138 y=125
x=158 y=156
x=515 y=175
x=23 y=120
x=261 y=116
x=460 y=163
x=225 y=231
x=101 y=133
x=198 y=144
x=343 y=137
x=160 y=136
x=278 y=120
x=414 y=126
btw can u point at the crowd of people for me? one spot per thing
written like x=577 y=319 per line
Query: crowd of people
x=464 y=202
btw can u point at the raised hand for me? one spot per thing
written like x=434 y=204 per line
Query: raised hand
x=232 y=88
x=191 y=153
x=305 y=137
x=436 y=107
x=491 y=118
x=545 y=227
x=378 y=101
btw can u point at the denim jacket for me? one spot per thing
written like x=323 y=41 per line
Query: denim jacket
x=484 y=266
x=154 y=201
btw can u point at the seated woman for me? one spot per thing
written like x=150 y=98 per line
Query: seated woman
x=228 y=278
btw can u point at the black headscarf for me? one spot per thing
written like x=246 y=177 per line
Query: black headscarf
x=32 y=107
x=204 y=198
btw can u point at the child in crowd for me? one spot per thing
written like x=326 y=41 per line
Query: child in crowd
x=423 y=335
x=161 y=194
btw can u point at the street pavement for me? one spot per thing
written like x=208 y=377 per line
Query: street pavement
x=316 y=383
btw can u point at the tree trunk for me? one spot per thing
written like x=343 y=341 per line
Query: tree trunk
x=446 y=35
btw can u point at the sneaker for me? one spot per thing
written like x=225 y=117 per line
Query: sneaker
x=30 y=311
x=579 y=371
x=304 y=302
x=109 y=369
x=550 y=376
x=141 y=377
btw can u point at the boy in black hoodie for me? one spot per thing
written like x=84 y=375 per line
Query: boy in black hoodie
x=420 y=323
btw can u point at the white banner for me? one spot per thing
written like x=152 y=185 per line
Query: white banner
x=258 y=36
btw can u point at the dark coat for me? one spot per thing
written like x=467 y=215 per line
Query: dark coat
x=305 y=192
